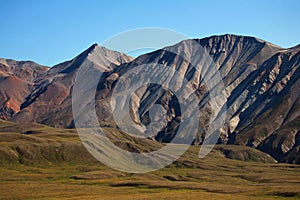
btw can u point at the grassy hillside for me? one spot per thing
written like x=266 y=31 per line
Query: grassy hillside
x=39 y=162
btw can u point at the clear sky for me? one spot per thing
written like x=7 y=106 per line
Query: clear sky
x=49 y=32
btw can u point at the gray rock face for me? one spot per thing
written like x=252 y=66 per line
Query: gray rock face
x=261 y=84
x=260 y=99
x=50 y=100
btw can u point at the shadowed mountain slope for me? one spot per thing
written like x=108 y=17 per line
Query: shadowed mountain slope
x=260 y=99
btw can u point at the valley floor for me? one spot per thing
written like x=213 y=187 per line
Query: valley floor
x=239 y=180
x=52 y=164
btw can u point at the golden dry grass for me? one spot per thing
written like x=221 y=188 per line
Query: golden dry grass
x=53 y=165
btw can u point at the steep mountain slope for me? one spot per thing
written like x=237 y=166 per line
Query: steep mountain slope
x=261 y=82
x=16 y=83
x=50 y=101
x=260 y=101
x=271 y=123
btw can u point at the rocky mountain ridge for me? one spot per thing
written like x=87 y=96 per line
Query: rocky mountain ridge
x=260 y=81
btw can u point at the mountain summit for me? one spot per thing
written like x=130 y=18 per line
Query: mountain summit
x=49 y=93
x=261 y=82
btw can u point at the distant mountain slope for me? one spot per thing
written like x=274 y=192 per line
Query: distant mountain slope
x=261 y=83
x=50 y=101
x=262 y=92
x=16 y=83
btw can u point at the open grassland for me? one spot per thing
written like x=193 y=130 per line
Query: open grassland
x=39 y=162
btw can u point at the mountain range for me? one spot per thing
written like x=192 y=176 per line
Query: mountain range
x=261 y=90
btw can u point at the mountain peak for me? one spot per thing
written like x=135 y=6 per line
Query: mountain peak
x=230 y=37
x=97 y=49
x=215 y=39
x=260 y=82
x=96 y=54
x=95 y=45
x=90 y=49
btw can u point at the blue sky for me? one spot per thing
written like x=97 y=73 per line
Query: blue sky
x=49 y=32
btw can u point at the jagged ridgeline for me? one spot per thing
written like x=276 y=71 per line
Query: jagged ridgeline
x=261 y=82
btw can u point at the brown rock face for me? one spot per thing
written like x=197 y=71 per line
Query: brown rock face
x=50 y=100
x=16 y=83
x=261 y=83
